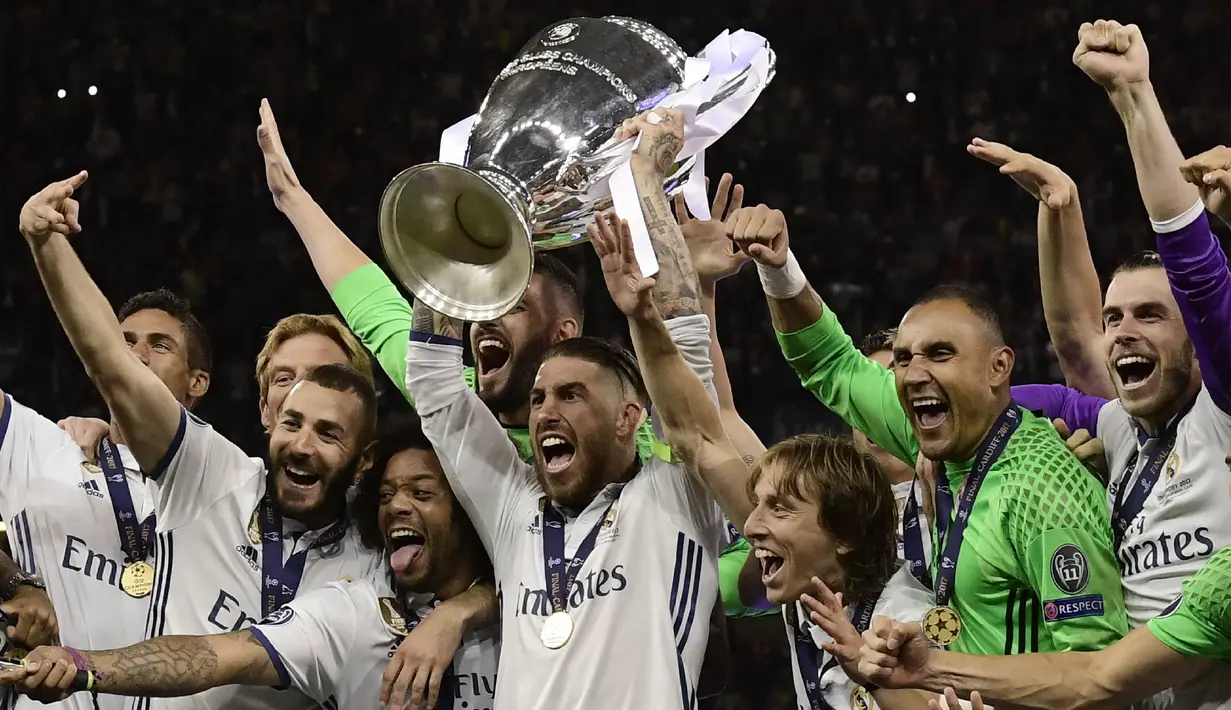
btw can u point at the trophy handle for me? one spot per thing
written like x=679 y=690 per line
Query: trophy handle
x=459 y=239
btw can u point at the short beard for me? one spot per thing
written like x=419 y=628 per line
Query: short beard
x=516 y=392
x=335 y=493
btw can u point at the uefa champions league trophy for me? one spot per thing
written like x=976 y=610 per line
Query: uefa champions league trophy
x=529 y=170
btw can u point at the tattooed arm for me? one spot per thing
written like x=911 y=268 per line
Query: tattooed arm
x=425 y=321
x=166 y=666
x=676 y=289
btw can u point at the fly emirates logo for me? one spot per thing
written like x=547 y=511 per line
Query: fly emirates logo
x=594 y=584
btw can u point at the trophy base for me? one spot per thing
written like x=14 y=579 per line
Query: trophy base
x=456 y=240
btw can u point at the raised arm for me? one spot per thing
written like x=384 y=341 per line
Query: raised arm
x=683 y=407
x=1072 y=296
x=146 y=412
x=1115 y=56
x=827 y=362
x=480 y=462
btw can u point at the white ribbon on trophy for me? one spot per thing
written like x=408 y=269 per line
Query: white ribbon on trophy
x=723 y=59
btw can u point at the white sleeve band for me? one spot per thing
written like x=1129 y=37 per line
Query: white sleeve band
x=1180 y=221
x=786 y=281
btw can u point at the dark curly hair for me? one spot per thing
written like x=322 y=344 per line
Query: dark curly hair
x=397 y=433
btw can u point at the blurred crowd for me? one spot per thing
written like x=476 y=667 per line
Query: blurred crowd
x=881 y=197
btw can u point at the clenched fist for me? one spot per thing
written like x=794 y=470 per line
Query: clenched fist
x=52 y=210
x=761 y=233
x=1211 y=173
x=1113 y=55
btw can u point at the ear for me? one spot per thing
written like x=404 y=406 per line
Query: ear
x=631 y=416
x=566 y=329
x=367 y=458
x=198 y=384
x=1001 y=366
x=267 y=419
x=843 y=549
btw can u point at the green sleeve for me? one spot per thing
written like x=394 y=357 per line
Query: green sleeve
x=850 y=385
x=1198 y=622
x=649 y=445
x=1055 y=519
x=730 y=565
x=378 y=314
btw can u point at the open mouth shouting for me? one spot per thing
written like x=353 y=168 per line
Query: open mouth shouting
x=771 y=565
x=1134 y=370
x=558 y=452
x=405 y=547
x=491 y=354
x=929 y=411
x=300 y=477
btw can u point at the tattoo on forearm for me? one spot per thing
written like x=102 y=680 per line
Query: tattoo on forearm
x=425 y=320
x=676 y=286
x=170 y=666
x=663 y=150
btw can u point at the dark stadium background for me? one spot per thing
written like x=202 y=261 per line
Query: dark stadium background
x=882 y=199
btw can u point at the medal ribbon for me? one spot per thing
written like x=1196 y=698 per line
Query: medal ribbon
x=134 y=537
x=448 y=680
x=806 y=651
x=912 y=539
x=1128 y=504
x=280 y=581
x=989 y=450
x=562 y=572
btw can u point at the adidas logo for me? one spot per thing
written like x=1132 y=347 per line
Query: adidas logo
x=249 y=553
x=91 y=488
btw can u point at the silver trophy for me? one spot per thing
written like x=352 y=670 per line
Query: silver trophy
x=462 y=238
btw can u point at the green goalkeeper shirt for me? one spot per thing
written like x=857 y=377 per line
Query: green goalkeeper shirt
x=1198 y=622
x=1036 y=570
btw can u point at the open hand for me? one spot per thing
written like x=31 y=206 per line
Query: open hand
x=894 y=654
x=662 y=138
x=951 y=702
x=1113 y=55
x=279 y=174
x=827 y=612
x=613 y=243
x=85 y=432
x=1211 y=173
x=1044 y=181
x=714 y=255
x=420 y=663
x=52 y=210
x=761 y=233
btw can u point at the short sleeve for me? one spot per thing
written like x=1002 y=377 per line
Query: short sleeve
x=310 y=639
x=200 y=467
x=27 y=440
x=1198 y=622
x=1055 y=520
x=679 y=492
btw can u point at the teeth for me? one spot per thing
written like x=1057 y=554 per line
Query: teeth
x=298 y=472
x=928 y=402
x=762 y=554
x=399 y=534
x=553 y=441
x=490 y=343
x=1133 y=360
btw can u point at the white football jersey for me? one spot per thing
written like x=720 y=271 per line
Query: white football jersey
x=209 y=573
x=333 y=644
x=1185 y=520
x=640 y=602
x=62 y=527
x=903 y=599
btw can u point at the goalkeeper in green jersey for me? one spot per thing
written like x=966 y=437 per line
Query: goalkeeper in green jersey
x=1190 y=637
x=1022 y=556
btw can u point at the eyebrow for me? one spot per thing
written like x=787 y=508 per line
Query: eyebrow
x=1155 y=305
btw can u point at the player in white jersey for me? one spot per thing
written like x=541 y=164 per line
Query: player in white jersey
x=87 y=529
x=818 y=507
x=332 y=644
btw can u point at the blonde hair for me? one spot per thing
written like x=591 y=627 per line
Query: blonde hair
x=299 y=324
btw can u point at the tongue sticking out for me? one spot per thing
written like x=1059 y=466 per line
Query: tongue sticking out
x=403 y=556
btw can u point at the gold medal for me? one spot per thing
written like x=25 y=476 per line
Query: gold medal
x=942 y=625
x=137 y=579
x=557 y=630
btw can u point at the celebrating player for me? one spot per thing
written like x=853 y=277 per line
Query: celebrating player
x=642 y=538
x=1046 y=536
x=818 y=508
x=332 y=644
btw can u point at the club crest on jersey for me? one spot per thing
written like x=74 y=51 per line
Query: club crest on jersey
x=254 y=528
x=861 y=699
x=391 y=615
x=91 y=468
x=1069 y=569
x=1172 y=466
x=280 y=616
x=608 y=531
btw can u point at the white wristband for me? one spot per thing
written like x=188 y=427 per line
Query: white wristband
x=783 y=282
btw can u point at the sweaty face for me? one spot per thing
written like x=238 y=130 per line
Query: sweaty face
x=420 y=520
x=1150 y=358
x=580 y=421
x=895 y=470
x=158 y=340
x=290 y=362
x=509 y=350
x=314 y=452
x=788 y=541
x=947 y=366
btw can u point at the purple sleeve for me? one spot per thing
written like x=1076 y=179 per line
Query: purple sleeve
x=1079 y=411
x=1197 y=270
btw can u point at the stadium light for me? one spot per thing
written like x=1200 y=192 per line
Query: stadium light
x=61 y=94
x=910 y=97
x=93 y=90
